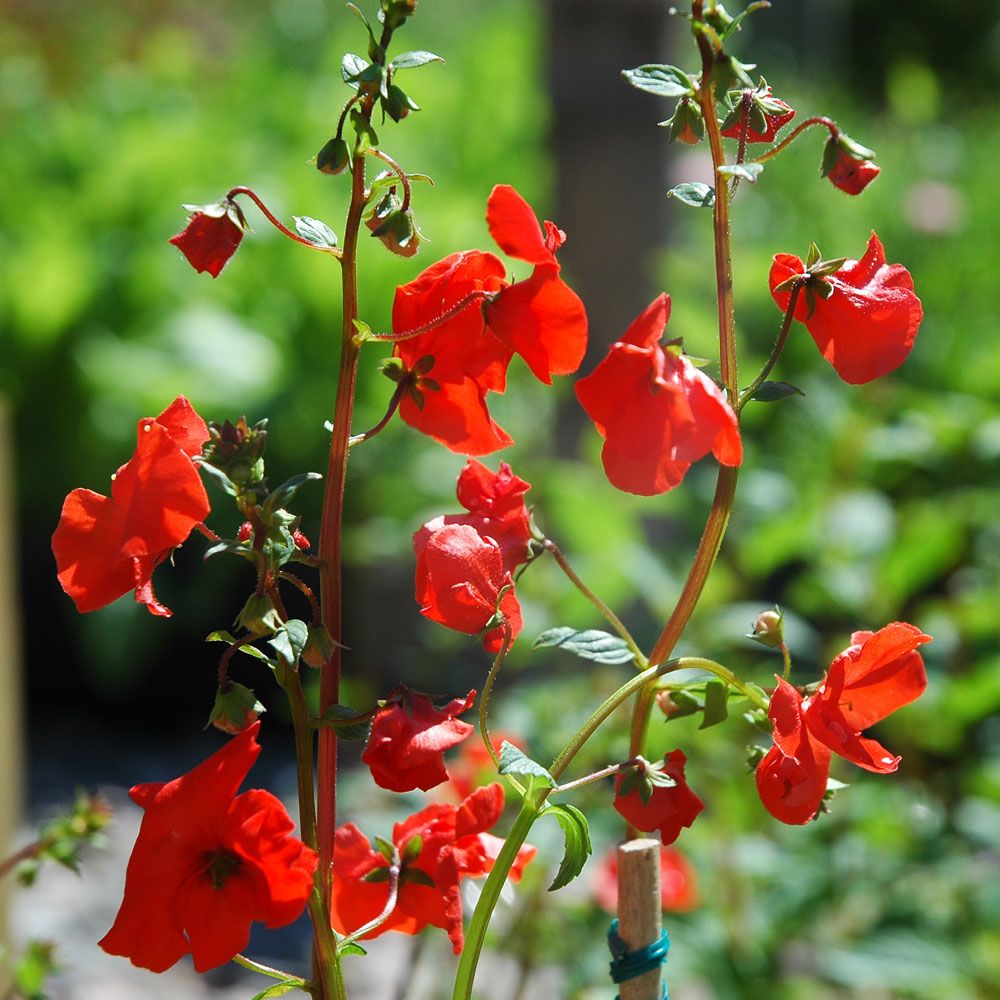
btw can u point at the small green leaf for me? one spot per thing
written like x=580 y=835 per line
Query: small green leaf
x=513 y=761
x=694 y=193
x=280 y=989
x=411 y=60
x=281 y=495
x=351 y=66
x=316 y=232
x=219 y=476
x=686 y=703
x=590 y=644
x=290 y=640
x=349 y=723
x=716 y=703
x=578 y=847
x=352 y=949
x=734 y=25
x=664 y=81
x=771 y=392
x=748 y=171
x=231 y=545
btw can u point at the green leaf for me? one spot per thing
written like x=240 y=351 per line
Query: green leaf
x=694 y=193
x=352 y=949
x=351 y=66
x=316 y=232
x=664 y=81
x=513 y=761
x=716 y=703
x=281 y=495
x=411 y=60
x=686 y=703
x=219 y=476
x=280 y=989
x=748 y=171
x=734 y=25
x=771 y=392
x=578 y=847
x=290 y=640
x=223 y=636
x=349 y=723
x=590 y=644
x=230 y=545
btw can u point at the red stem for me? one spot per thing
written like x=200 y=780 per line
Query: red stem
x=278 y=224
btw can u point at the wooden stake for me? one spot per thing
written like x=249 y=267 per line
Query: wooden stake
x=639 y=918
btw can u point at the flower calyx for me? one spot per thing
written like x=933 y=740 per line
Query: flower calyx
x=641 y=776
x=236 y=708
x=847 y=164
x=813 y=280
x=392 y=222
x=757 y=111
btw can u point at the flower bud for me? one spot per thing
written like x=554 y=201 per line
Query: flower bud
x=334 y=157
x=237 y=450
x=319 y=646
x=235 y=708
x=259 y=615
x=687 y=124
x=848 y=164
x=397 y=104
x=394 y=226
x=768 y=629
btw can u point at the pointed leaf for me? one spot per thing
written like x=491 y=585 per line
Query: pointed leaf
x=281 y=495
x=578 y=847
x=694 y=193
x=771 y=392
x=290 y=640
x=349 y=723
x=590 y=644
x=411 y=60
x=514 y=761
x=716 y=703
x=664 y=81
x=316 y=232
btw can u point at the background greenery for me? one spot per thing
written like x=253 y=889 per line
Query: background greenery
x=858 y=506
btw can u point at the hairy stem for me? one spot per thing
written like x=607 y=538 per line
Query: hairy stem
x=795 y=133
x=278 y=224
x=779 y=345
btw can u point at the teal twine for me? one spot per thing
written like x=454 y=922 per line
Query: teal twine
x=627 y=964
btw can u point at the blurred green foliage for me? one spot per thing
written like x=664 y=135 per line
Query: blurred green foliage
x=857 y=506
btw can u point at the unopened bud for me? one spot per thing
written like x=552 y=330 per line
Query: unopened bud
x=235 y=708
x=334 y=157
x=769 y=629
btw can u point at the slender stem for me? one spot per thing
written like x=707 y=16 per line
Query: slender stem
x=450 y=313
x=295 y=581
x=207 y=532
x=278 y=224
x=378 y=921
x=26 y=853
x=331 y=550
x=394 y=402
x=484 y=698
x=795 y=133
x=588 y=779
x=613 y=620
x=267 y=970
x=398 y=171
x=786 y=656
x=779 y=345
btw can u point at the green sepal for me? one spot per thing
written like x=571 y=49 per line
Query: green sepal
x=387 y=850
x=259 y=615
x=318 y=233
x=589 y=644
x=366 y=135
x=771 y=392
x=824 y=268
x=514 y=761
x=412 y=849
x=664 y=81
x=416 y=876
x=716 y=703
x=335 y=157
x=694 y=193
x=578 y=847
x=379 y=874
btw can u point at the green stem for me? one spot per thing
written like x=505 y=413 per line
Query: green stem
x=398 y=171
x=589 y=779
x=278 y=224
x=484 y=698
x=779 y=345
x=613 y=620
x=266 y=970
x=795 y=133
x=377 y=922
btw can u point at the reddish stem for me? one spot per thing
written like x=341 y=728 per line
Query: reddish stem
x=278 y=224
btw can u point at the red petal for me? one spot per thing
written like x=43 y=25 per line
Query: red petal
x=456 y=416
x=480 y=811
x=515 y=228
x=208 y=242
x=791 y=788
x=185 y=426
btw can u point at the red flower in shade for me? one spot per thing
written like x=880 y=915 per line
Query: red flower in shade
x=678 y=882
x=766 y=110
x=409 y=737
x=655 y=410
x=648 y=803
x=207 y=863
x=455 y=362
x=107 y=546
x=496 y=509
x=459 y=578
x=212 y=235
x=453 y=844
x=867 y=326
x=874 y=676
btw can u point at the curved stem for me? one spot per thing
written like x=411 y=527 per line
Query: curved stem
x=278 y=224
x=397 y=170
x=484 y=698
x=378 y=921
x=305 y=589
x=588 y=779
x=266 y=970
x=795 y=133
x=394 y=402
x=450 y=313
x=613 y=620
x=779 y=345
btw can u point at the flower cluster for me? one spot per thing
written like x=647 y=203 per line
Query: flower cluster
x=655 y=410
x=107 y=546
x=474 y=321
x=207 y=863
x=465 y=561
x=878 y=673
x=865 y=316
x=434 y=850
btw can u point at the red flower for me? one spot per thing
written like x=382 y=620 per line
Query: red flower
x=496 y=509
x=453 y=844
x=874 y=676
x=655 y=410
x=453 y=364
x=678 y=882
x=207 y=864
x=107 y=546
x=847 y=165
x=409 y=737
x=648 y=804
x=459 y=578
x=774 y=112
x=867 y=326
x=212 y=235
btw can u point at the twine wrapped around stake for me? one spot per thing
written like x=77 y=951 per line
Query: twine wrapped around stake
x=637 y=940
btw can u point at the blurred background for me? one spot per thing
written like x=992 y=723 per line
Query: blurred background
x=857 y=506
